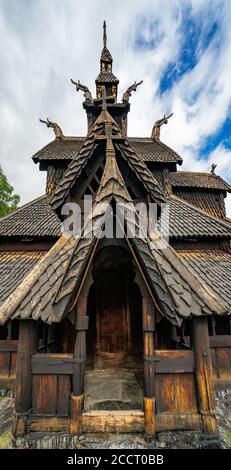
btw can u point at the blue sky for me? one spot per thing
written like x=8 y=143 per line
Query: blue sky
x=180 y=48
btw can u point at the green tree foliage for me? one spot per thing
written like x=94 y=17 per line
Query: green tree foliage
x=8 y=200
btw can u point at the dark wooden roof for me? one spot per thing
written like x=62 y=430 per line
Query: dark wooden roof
x=95 y=135
x=155 y=151
x=106 y=77
x=214 y=268
x=187 y=221
x=35 y=219
x=68 y=147
x=60 y=149
x=106 y=55
x=15 y=266
x=189 y=179
x=48 y=290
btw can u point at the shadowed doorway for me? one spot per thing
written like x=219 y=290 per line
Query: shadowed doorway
x=114 y=341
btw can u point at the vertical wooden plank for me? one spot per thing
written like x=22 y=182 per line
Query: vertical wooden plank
x=64 y=390
x=149 y=365
x=44 y=394
x=149 y=351
x=203 y=373
x=80 y=350
x=224 y=363
x=76 y=414
x=4 y=363
x=13 y=362
x=27 y=344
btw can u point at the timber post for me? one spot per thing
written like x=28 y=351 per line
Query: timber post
x=27 y=345
x=149 y=366
x=79 y=363
x=203 y=374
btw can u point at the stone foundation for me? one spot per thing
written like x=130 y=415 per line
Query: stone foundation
x=168 y=440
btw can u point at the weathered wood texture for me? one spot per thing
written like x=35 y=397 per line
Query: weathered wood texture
x=80 y=352
x=52 y=364
x=76 y=414
x=203 y=373
x=113 y=421
x=175 y=393
x=221 y=361
x=149 y=413
x=27 y=344
x=8 y=357
x=174 y=362
x=48 y=424
x=178 y=422
x=149 y=351
x=51 y=394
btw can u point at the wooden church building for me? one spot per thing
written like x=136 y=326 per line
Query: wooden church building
x=107 y=333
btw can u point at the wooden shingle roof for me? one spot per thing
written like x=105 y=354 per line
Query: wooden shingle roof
x=188 y=222
x=155 y=151
x=35 y=219
x=214 y=268
x=189 y=179
x=68 y=147
x=14 y=267
x=48 y=290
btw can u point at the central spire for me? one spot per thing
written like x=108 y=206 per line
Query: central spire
x=104 y=34
x=106 y=80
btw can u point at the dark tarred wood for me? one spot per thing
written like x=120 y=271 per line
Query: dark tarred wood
x=64 y=392
x=174 y=362
x=220 y=341
x=223 y=356
x=52 y=364
x=203 y=373
x=149 y=351
x=44 y=396
x=27 y=344
x=8 y=345
x=27 y=246
x=80 y=353
x=5 y=363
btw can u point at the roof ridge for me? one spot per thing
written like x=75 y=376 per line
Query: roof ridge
x=213 y=175
x=197 y=209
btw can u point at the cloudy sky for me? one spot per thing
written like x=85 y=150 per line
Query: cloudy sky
x=180 y=48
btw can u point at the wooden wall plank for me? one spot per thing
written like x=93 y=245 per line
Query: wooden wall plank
x=175 y=393
x=214 y=363
x=44 y=394
x=174 y=361
x=13 y=362
x=224 y=363
x=8 y=345
x=4 y=364
x=220 y=341
x=63 y=398
x=178 y=422
x=52 y=364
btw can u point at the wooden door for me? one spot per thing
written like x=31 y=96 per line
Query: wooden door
x=112 y=314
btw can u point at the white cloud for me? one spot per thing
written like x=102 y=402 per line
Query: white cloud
x=44 y=44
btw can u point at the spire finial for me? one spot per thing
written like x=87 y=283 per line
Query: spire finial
x=104 y=34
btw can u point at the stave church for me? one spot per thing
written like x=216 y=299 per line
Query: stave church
x=107 y=333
